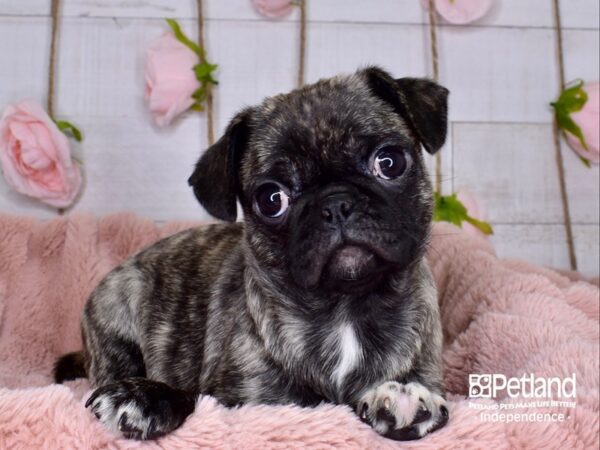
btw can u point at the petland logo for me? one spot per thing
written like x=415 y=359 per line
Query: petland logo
x=528 y=386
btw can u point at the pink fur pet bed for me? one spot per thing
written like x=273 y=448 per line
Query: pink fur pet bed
x=502 y=317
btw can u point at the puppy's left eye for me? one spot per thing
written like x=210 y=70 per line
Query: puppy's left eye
x=389 y=162
x=271 y=200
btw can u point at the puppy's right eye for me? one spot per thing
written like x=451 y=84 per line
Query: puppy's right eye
x=271 y=200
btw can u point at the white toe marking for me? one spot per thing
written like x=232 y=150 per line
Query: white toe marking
x=403 y=401
x=350 y=353
x=134 y=417
x=109 y=416
x=104 y=407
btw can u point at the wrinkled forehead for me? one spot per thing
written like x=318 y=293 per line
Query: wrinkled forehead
x=323 y=125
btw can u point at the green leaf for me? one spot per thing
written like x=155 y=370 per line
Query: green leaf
x=69 y=129
x=204 y=72
x=482 y=226
x=565 y=123
x=585 y=161
x=181 y=37
x=571 y=100
x=450 y=209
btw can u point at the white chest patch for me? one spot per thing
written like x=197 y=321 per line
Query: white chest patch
x=350 y=353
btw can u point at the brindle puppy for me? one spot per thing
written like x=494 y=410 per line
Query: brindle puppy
x=322 y=293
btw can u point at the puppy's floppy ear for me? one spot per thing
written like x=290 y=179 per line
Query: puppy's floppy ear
x=215 y=178
x=421 y=102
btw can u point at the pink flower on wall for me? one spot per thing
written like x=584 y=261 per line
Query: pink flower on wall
x=273 y=9
x=177 y=75
x=578 y=115
x=35 y=155
x=170 y=78
x=460 y=12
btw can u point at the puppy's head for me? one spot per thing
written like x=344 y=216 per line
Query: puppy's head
x=331 y=177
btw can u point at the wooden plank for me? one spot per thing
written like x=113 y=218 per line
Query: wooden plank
x=158 y=9
x=519 y=13
x=24 y=8
x=576 y=14
x=132 y=9
x=342 y=48
x=583 y=186
x=580 y=13
x=511 y=170
x=544 y=245
x=498 y=75
x=131 y=166
x=377 y=11
x=587 y=248
x=533 y=13
x=180 y=9
x=24 y=50
x=581 y=54
x=255 y=60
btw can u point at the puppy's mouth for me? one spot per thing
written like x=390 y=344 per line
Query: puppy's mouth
x=351 y=266
x=347 y=261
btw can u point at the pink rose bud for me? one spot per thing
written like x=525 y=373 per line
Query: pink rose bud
x=587 y=144
x=35 y=155
x=273 y=9
x=170 y=78
x=460 y=12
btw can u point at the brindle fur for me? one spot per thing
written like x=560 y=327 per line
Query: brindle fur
x=246 y=312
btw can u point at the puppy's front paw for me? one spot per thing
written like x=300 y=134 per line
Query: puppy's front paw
x=403 y=411
x=138 y=408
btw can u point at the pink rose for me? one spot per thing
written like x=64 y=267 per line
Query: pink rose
x=588 y=121
x=273 y=9
x=35 y=155
x=460 y=11
x=170 y=78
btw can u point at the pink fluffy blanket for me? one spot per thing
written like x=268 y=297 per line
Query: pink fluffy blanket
x=503 y=317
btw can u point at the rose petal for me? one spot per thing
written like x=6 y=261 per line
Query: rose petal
x=273 y=9
x=460 y=12
x=170 y=80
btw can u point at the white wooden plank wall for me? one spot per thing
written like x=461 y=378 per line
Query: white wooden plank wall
x=502 y=73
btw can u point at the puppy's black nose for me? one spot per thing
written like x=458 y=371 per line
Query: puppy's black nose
x=337 y=207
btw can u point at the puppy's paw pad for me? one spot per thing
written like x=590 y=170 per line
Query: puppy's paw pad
x=403 y=411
